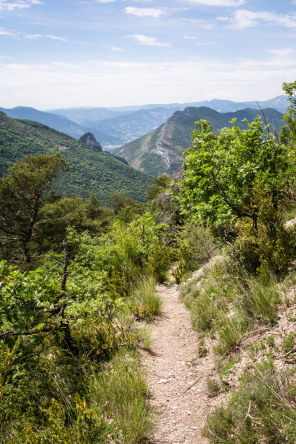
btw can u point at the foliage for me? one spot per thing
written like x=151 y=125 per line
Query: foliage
x=121 y=389
x=34 y=220
x=21 y=197
x=56 y=332
x=126 y=208
x=229 y=301
x=289 y=130
x=262 y=409
x=224 y=172
x=146 y=304
x=196 y=246
x=160 y=183
x=270 y=248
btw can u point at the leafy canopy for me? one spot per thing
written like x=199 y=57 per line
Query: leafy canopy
x=223 y=172
x=22 y=193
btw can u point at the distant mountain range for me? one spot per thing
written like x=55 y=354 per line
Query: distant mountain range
x=113 y=127
x=91 y=170
x=131 y=122
x=161 y=150
x=84 y=114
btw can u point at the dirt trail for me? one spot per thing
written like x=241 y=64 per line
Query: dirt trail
x=177 y=377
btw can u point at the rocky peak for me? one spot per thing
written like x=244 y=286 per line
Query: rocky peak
x=89 y=139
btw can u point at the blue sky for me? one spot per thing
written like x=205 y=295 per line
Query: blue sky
x=64 y=53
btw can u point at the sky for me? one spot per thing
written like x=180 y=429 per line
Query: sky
x=109 y=53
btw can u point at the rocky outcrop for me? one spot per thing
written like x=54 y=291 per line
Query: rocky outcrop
x=89 y=139
x=121 y=159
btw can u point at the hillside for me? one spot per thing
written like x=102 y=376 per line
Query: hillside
x=91 y=170
x=58 y=122
x=161 y=150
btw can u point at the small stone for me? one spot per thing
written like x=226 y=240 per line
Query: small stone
x=162 y=381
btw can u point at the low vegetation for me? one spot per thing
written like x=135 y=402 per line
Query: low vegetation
x=76 y=279
x=77 y=283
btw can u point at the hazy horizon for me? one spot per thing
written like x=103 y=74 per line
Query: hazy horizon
x=114 y=53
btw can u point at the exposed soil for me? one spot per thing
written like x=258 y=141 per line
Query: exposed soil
x=177 y=377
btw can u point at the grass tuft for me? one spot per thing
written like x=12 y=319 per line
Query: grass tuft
x=121 y=391
x=147 y=303
x=263 y=409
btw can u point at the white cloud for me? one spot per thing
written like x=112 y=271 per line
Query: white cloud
x=116 y=49
x=105 y=1
x=234 y=3
x=243 y=18
x=5 y=32
x=47 y=36
x=33 y=36
x=56 y=85
x=55 y=37
x=283 y=52
x=144 y=12
x=11 y=5
x=190 y=37
x=148 y=41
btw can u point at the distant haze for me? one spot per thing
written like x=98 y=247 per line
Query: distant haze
x=110 y=53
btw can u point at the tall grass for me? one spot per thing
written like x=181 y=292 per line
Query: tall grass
x=147 y=303
x=120 y=391
x=229 y=301
x=260 y=299
x=262 y=410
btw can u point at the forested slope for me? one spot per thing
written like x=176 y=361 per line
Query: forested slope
x=90 y=170
x=161 y=150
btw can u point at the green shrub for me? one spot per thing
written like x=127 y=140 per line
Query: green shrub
x=288 y=342
x=229 y=334
x=196 y=246
x=263 y=409
x=120 y=390
x=204 y=312
x=146 y=302
x=213 y=387
x=202 y=349
x=268 y=249
x=260 y=299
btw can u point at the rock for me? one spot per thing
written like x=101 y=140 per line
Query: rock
x=89 y=139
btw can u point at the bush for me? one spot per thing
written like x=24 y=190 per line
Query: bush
x=260 y=299
x=230 y=332
x=229 y=300
x=146 y=302
x=268 y=249
x=196 y=246
x=263 y=409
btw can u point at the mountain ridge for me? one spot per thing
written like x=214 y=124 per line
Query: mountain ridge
x=161 y=150
x=114 y=127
